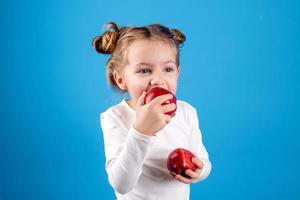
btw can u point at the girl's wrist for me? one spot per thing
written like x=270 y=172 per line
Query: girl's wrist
x=141 y=130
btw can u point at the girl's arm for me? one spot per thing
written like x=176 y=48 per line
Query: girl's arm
x=197 y=145
x=124 y=151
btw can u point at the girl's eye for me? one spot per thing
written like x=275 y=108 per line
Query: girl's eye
x=169 y=69
x=144 y=71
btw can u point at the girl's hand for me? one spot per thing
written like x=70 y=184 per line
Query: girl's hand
x=194 y=175
x=151 y=117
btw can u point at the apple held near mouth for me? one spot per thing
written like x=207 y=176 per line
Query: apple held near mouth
x=180 y=160
x=157 y=91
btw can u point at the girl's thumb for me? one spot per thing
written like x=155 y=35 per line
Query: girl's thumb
x=141 y=99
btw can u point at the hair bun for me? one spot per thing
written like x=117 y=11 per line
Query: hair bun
x=178 y=36
x=107 y=42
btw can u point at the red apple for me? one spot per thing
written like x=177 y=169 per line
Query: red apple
x=157 y=91
x=180 y=160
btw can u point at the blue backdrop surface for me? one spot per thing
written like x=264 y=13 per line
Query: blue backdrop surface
x=240 y=69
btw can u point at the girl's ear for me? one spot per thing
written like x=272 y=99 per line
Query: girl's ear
x=119 y=79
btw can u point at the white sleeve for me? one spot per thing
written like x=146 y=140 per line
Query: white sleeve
x=197 y=145
x=125 y=152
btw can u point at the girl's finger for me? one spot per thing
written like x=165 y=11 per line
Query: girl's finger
x=161 y=99
x=168 y=107
x=198 y=162
x=193 y=174
x=173 y=114
x=183 y=179
x=166 y=118
x=141 y=99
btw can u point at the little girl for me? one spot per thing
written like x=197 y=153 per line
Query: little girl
x=138 y=137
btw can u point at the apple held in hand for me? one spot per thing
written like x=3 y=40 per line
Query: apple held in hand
x=157 y=91
x=180 y=160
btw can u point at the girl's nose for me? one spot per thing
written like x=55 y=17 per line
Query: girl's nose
x=157 y=80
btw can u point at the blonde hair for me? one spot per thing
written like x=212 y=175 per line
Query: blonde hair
x=115 y=41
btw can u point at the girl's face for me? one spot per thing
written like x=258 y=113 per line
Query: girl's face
x=150 y=63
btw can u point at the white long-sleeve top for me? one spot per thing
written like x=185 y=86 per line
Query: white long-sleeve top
x=136 y=164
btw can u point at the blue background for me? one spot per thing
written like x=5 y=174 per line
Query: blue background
x=240 y=69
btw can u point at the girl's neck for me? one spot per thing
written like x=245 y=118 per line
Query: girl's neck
x=130 y=103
